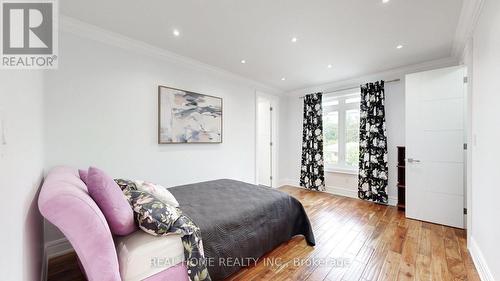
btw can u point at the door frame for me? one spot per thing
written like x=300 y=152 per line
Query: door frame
x=274 y=100
x=466 y=61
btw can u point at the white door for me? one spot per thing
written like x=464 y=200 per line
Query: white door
x=435 y=106
x=264 y=141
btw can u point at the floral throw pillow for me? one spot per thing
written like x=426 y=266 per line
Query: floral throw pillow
x=152 y=215
x=156 y=190
x=160 y=219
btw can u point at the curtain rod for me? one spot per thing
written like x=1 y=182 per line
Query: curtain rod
x=352 y=88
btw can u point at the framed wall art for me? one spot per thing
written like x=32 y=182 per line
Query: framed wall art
x=188 y=117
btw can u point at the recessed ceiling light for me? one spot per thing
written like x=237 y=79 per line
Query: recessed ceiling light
x=385 y=1
x=176 y=32
x=294 y=39
x=243 y=61
x=329 y=66
x=283 y=79
x=399 y=46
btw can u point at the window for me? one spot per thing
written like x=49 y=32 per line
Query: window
x=341 y=132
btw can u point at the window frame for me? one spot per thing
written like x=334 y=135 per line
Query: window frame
x=342 y=107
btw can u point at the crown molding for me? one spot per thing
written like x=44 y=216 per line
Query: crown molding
x=469 y=15
x=92 y=32
x=389 y=74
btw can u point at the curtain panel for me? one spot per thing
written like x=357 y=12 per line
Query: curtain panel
x=373 y=170
x=312 y=169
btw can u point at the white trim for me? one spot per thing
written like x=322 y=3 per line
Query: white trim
x=467 y=61
x=389 y=74
x=393 y=201
x=479 y=261
x=51 y=250
x=469 y=15
x=347 y=192
x=341 y=109
x=352 y=193
x=85 y=30
x=338 y=170
x=290 y=182
x=43 y=275
x=274 y=101
x=57 y=248
x=342 y=191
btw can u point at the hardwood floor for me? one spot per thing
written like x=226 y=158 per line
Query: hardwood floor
x=355 y=240
x=64 y=268
x=377 y=242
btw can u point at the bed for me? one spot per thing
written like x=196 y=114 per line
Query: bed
x=241 y=221
x=237 y=220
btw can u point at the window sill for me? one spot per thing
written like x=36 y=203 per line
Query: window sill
x=341 y=170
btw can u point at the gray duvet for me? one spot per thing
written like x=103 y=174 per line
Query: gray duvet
x=240 y=222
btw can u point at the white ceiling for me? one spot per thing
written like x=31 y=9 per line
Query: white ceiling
x=357 y=37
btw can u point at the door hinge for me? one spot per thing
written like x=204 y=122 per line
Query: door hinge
x=271 y=108
x=465 y=146
x=271 y=178
x=271 y=143
x=465 y=211
x=466 y=79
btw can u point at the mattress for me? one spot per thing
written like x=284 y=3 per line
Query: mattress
x=240 y=221
x=141 y=255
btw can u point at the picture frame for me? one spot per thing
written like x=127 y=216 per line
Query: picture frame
x=188 y=117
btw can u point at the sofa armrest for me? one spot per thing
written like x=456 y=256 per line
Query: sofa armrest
x=64 y=202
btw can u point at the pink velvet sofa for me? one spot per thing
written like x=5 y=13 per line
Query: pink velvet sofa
x=65 y=202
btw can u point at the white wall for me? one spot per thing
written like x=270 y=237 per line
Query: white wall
x=101 y=110
x=345 y=184
x=21 y=173
x=486 y=135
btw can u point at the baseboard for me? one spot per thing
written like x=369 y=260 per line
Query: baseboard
x=342 y=191
x=57 y=248
x=43 y=275
x=393 y=201
x=479 y=261
x=283 y=182
x=347 y=192
x=53 y=249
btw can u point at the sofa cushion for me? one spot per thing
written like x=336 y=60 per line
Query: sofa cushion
x=108 y=196
x=141 y=255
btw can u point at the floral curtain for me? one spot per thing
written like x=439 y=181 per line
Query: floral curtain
x=373 y=168
x=312 y=170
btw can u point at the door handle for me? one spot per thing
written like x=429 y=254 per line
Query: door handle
x=411 y=160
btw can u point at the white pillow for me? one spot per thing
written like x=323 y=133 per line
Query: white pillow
x=158 y=191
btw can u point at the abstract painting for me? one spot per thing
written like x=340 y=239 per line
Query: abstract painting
x=187 y=117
